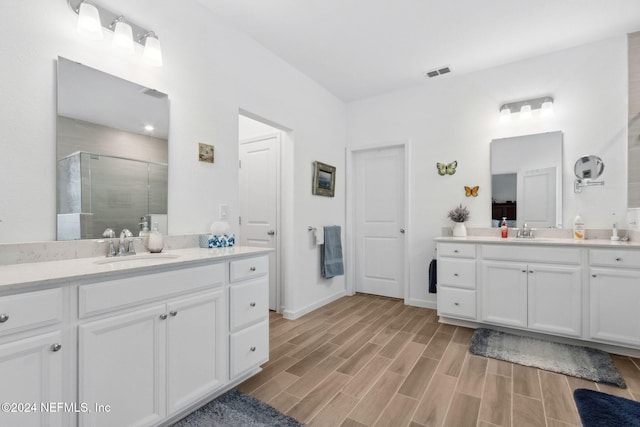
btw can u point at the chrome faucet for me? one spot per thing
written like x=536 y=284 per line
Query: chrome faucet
x=126 y=244
x=525 y=232
x=110 y=234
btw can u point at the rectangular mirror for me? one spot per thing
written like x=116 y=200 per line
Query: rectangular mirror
x=526 y=180
x=112 y=154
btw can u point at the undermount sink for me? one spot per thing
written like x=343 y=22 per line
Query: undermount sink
x=141 y=259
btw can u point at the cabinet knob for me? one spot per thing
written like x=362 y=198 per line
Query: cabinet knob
x=524 y=271
x=271 y=232
x=3 y=318
x=56 y=347
x=252 y=349
x=594 y=275
x=163 y=316
x=455 y=274
x=252 y=269
x=455 y=251
x=456 y=303
x=531 y=271
x=173 y=313
x=252 y=304
x=618 y=259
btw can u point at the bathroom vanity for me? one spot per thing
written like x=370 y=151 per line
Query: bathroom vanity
x=129 y=341
x=583 y=290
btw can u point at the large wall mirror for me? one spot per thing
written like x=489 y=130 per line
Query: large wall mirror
x=526 y=180
x=112 y=154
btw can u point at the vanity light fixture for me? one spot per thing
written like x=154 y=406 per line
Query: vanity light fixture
x=89 y=21
x=505 y=114
x=92 y=18
x=152 y=52
x=122 y=35
x=544 y=104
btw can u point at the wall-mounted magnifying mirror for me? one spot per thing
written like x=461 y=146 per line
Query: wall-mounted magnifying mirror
x=586 y=169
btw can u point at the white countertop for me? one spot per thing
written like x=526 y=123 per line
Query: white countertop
x=41 y=273
x=542 y=241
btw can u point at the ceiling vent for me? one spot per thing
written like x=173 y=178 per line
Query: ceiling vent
x=437 y=72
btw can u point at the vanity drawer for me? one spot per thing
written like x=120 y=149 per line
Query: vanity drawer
x=460 y=273
x=30 y=310
x=456 y=302
x=249 y=348
x=540 y=253
x=243 y=269
x=459 y=250
x=107 y=296
x=248 y=302
x=614 y=258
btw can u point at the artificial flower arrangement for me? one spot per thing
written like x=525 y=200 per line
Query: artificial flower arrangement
x=459 y=214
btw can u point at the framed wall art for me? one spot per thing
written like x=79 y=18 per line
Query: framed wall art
x=324 y=179
x=205 y=152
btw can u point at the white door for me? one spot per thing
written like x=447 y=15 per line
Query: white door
x=122 y=364
x=537 y=198
x=504 y=293
x=379 y=215
x=195 y=347
x=555 y=299
x=258 y=201
x=31 y=372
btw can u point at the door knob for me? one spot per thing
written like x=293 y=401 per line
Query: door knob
x=3 y=318
x=271 y=232
x=402 y=230
x=163 y=316
x=56 y=347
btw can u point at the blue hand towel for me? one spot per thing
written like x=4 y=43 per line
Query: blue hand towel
x=331 y=253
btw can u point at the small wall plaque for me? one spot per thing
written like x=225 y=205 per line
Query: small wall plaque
x=205 y=152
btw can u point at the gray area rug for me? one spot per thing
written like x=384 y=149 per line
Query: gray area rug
x=582 y=362
x=237 y=409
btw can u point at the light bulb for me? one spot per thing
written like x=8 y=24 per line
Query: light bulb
x=123 y=37
x=505 y=115
x=89 y=22
x=546 y=110
x=525 y=111
x=152 y=52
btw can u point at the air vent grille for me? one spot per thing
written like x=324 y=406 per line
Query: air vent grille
x=437 y=71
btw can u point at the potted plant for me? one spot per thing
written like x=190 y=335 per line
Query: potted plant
x=459 y=215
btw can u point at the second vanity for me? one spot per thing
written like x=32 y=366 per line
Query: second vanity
x=134 y=341
x=587 y=290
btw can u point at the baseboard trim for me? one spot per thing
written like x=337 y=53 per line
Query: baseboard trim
x=421 y=303
x=292 y=315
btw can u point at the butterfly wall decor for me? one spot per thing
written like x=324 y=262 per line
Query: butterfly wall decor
x=469 y=191
x=447 y=169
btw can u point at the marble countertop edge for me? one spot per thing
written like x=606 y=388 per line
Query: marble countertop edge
x=56 y=272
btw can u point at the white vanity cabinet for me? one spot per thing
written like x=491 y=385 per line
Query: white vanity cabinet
x=248 y=314
x=538 y=288
x=31 y=357
x=457 y=280
x=614 y=290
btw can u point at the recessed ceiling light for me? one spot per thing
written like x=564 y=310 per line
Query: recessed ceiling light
x=149 y=128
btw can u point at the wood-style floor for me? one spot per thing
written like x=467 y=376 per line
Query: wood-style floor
x=372 y=361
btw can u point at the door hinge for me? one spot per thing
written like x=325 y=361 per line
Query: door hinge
x=240 y=164
x=239 y=220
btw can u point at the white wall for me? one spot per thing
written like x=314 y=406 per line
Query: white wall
x=456 y=117
x=210 y=72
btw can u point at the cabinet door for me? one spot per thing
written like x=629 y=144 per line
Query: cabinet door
x=196 y=347
x=122 y=364
x=555 y=299
x=31 y=372
x=614 y=301
x=504 y=293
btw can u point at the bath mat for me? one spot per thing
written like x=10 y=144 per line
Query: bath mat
x=582 y=362
x=237 y=409
x=598 y=409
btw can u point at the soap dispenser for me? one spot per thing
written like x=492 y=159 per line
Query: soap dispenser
x=156 y=242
